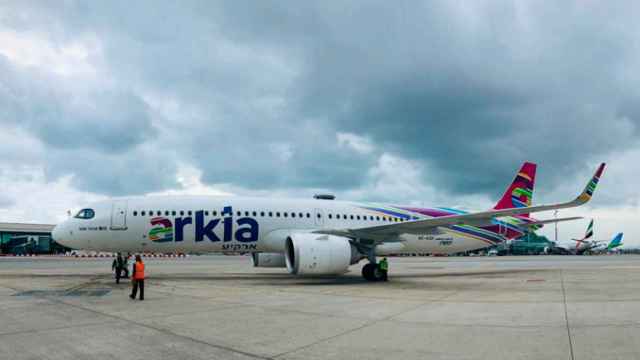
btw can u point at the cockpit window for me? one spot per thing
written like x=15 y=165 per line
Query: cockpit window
x=85 y=214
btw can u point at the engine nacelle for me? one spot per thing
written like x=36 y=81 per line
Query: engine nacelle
x=268 y=260
x=313 y=254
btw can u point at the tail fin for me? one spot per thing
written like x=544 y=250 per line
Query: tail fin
x=617 y=241
x=589 y=232
x=520 y=192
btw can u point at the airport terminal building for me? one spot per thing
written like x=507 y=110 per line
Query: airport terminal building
x=27 y=239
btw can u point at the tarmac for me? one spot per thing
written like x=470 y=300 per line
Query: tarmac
x=220 y=307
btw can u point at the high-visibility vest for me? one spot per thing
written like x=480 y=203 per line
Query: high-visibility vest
x=384 y=265
x=139 y=267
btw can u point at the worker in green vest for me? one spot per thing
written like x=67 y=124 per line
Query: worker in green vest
x=383 y=265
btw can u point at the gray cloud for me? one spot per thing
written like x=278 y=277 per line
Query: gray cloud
x=253 y=94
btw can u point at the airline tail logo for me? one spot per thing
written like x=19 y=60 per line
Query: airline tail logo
x=589 y=232
x=520 y=193
x=162 y=230
x=523 y=191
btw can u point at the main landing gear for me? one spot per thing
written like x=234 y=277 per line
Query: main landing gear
x=372 y=272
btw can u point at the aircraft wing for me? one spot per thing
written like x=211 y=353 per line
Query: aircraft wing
x=550 y=221
x=385 y=232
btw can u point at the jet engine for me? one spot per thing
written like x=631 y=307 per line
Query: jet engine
x=313 y=254
x=268 y=260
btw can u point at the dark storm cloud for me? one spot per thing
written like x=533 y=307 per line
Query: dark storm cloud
x=110 y=120
x=262 y=88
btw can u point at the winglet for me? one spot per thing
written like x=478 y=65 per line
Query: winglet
x=591 y=186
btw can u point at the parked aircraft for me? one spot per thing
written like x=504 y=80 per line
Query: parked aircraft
x=584 y=246
x=615 y=242
x=320 y=236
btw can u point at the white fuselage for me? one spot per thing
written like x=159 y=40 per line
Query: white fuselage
x=205 y=224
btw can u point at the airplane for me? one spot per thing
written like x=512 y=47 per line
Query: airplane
x=615 y=242
x=583 y=245
x=308 y=237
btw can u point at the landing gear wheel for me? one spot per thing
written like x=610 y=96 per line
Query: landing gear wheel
x=368 y=270
x=371 y=272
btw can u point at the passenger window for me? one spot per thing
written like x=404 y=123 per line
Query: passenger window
x=206 y=213
x=378 y=218
x=278 y=214
x=135 y=213
x=285 y=214
x=246 y=213
x=351 y=217
x=261 y=213
x=173 y=212
x=329 y=216
x=270 y=214
x=142 y=213
x=254 y=214
x=214 y=213
x=166 y=213
x=300 y=215
x=308 y=215
x=293 y=215
x=189 y=212
x=319 y=215
x=181 y=212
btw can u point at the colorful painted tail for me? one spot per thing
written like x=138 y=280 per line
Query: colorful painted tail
x=616 y=242
x=520 y=193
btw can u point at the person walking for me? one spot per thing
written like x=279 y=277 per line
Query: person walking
x=119 y=265
x=384 y=268
x=137 y=279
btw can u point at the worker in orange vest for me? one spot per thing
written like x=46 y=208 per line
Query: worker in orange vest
x=137 y=278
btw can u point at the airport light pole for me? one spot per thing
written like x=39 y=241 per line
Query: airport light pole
x=555 y=216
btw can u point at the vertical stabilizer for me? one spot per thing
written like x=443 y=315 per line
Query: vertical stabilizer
x=520 y=192
x=589 y=232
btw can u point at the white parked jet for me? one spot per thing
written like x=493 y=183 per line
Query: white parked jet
x=318 y=236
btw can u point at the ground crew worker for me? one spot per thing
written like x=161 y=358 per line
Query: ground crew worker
x=383 y=265
x=137 y=278
x=119 y=265
x=125 y=266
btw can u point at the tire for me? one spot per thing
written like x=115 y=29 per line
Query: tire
x=368 y=272
x=377 y=274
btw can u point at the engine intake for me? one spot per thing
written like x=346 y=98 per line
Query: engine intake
x=313 y=254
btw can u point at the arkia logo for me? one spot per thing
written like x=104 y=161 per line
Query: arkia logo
x=247 y=229
x=162 y=230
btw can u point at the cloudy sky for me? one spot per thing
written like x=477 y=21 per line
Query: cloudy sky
x=434 y=103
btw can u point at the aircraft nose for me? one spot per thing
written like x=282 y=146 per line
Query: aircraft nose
x=58 y=235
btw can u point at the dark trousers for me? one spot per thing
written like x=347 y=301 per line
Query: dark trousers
x=137 y=284
x=118 y=275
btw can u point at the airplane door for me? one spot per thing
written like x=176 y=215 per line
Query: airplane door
x=119 y=215
x=318 y=217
